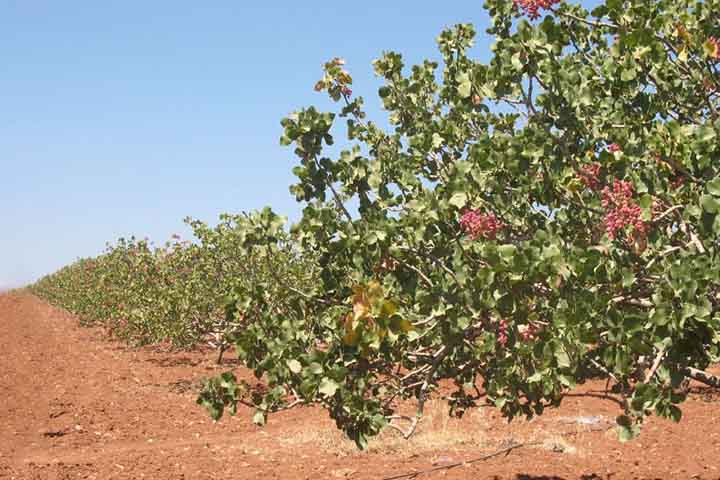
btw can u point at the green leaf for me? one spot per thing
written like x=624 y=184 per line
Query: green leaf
x=705 y=134
x=551 y=251
x=628 y=74
x=328 y=387
x=567 y=381
x=683 y=55
x=563 y=359
x=464 y=85
x=660 y=317
x=535 y=377
x=627 y=430
x=675 y=414
x=710 y=204
x=215 y=411
x=259 y=418
x=294 y=366
x=628 y=277
x=459 y=199
x=507 y=251
x=361 y=441
x=516 y=62
x=688 y=310
x=315 y=369
x=625 y=434
x=713 y=187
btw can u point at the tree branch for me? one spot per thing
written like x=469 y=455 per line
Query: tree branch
x=702 y=377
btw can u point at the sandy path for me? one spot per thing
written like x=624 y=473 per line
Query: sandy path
x=75 y=405
x=78 y=405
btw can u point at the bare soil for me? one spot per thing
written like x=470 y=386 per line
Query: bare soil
x=76 y=405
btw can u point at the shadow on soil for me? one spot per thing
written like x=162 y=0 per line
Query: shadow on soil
x=185 y=386
x=524 y=476
x=175 y=362
x=595 y=394
x=706 y=394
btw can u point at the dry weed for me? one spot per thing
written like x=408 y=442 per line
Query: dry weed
x=436 y=431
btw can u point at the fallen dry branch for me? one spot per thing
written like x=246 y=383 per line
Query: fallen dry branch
x=497 y=453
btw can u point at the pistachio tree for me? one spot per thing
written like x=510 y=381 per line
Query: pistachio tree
x=523 y=224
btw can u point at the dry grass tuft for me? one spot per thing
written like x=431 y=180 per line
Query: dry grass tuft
x=436 y=431
x=558 y=444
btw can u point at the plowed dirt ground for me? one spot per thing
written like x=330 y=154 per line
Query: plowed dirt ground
x=75 y=405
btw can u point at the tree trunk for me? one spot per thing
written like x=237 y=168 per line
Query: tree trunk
x=221 y=351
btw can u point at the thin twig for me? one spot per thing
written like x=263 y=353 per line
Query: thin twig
x=290 y=287
x=488 y=456
x=438 y=358
x=698 y=243
x=583 y=20
x=435 y=259
x=605 y=370
x=637 y=302
x=667 y=212
x=662 y=254
x=655 y=365
x=425 y=278
x=497 y=453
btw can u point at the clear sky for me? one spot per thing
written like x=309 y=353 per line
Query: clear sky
x=121 y=118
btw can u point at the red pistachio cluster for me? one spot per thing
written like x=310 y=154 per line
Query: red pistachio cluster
x=502 y=335
x=532 y=8
x=621 y=210
x=614 y=147
x=589 y=175
x=480 y=225
x=528 y=332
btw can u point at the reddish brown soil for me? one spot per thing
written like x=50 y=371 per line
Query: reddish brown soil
x=75 y=405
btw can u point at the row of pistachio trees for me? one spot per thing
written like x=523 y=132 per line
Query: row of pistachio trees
x=177 y=293
x=529 y=222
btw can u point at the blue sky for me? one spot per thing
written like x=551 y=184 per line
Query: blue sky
x=121 y=118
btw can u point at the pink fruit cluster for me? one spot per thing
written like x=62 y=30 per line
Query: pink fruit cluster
x=532 y=8
x=621 y=210
x=589 y=175
x=345 y=91
x=480 y=225
x=502 y=335
x=528 y=332
x=614 y=147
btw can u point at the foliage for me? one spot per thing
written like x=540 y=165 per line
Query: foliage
x=177 y=293
x=526 y=224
